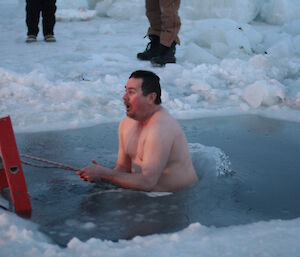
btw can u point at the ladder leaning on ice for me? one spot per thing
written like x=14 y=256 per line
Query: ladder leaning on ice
x=11 y=171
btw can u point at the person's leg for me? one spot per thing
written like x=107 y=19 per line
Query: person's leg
x=170 y=25
x=170 y=22
x=48 y=13
x=33 y=8
x=153 y=14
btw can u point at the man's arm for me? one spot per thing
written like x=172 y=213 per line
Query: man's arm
x=157 y=149
x=123 y=163
x=96 y=173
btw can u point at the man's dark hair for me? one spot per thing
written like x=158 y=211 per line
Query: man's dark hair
x=150 y=83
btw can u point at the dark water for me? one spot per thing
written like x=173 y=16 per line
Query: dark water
x=264 y=156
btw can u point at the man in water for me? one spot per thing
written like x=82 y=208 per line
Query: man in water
x=153 y=152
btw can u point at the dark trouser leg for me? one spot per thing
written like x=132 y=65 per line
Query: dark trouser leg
x=33 y=8
x=48 y=13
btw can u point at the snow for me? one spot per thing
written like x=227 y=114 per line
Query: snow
x=272 y=238
x=78 y=81
x=235 y=57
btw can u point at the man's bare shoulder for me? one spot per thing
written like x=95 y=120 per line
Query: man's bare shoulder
x=126 y=121
x=163 y=119
x=163 y=125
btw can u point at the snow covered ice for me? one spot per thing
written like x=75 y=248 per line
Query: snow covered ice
x=225 y=59
x=235 y=57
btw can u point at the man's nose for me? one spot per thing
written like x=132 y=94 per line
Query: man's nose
x=125 y=96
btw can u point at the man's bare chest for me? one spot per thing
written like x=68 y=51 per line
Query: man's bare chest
x=134 y=145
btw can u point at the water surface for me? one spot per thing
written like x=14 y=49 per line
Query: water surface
x=261 y=182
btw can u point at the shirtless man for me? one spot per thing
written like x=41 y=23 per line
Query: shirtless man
x=153 y=152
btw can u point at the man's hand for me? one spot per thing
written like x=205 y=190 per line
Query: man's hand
x=91 y=173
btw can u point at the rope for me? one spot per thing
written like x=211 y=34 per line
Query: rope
x=55 y=165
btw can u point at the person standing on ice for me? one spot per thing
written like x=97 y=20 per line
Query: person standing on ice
x=33 y=10
x=153 y=151
x=163 y=31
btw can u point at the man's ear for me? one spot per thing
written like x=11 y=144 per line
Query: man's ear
x=152 y=97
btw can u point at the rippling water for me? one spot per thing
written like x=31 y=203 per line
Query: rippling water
x=247 y=165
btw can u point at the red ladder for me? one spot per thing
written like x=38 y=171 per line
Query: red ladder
x=11 y=172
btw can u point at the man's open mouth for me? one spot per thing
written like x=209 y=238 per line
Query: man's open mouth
x=127 y=106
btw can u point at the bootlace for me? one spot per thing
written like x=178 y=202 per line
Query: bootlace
x=148 y=47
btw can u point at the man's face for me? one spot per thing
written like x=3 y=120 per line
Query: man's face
x=135 y=102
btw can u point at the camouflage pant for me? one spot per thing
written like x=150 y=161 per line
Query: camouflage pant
x=164 y=20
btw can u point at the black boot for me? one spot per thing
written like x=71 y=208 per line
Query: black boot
x=166 y=55
x=152 y=49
